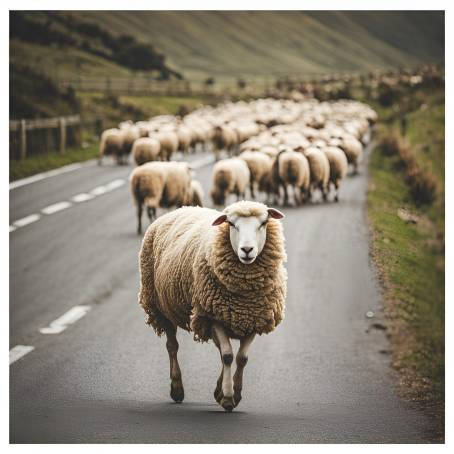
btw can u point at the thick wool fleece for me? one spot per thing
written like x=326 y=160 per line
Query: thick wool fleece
x=190 y=276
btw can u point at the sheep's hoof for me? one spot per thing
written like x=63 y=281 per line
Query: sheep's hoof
x=227 y=403
x=177 y=393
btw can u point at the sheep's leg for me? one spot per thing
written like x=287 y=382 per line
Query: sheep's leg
x=285 y=195
x=251 y=187
x=225 y=348
x=336 y=187
x=139 y=218
x=241 y=361
x=218 y=390
x=176 y=384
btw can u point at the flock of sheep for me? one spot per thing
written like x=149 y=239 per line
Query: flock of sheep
x=273 y=146
x=221 y=275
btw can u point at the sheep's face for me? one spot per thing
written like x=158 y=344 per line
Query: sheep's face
x=248 y=234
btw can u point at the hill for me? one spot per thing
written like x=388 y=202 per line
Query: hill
x=252 y=43
x=226 y=44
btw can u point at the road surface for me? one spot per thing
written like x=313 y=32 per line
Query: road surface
x=97 y=373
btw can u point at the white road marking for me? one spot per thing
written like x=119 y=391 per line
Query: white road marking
x=59 y=206
x=18 y=351
x=98 y=190
x=50 y=173
x=51 y=209
x=114 y=184
x=68 y=318
x=27 y=220
x=83 y=197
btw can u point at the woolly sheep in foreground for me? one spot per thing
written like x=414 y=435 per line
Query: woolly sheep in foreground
x=338 y=167
x=230 y=176
x=259 y=164
x=159 y=184
x=145 y=149
x=219 y=275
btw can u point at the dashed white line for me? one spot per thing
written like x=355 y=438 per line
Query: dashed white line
x=114 y=184
x=51 y=209
x=83 y=197
x=68 y=318
x=27 y=220
x=78 y=198
x=18 y=352
x=98 y=190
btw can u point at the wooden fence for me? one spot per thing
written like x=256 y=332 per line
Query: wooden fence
x=47 y=134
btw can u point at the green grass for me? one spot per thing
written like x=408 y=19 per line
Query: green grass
x=410 y=257
x=160 y=105
x=48 y=161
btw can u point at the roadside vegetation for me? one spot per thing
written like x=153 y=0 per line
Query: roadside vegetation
x=407 y=219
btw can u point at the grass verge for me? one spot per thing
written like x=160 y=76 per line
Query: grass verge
x=408 y=249
x=48 y=161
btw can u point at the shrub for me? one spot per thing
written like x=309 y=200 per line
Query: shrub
x=391 y=143
x=423 y=186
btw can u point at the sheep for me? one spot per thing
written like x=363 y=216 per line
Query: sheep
x=225 y=138
x=259 y=164
x=230 y=176
x=319 y=170
x=159 y=184
x=195 y=194
x=130 y=135
x=169 y=143
x=111 y=143
x=145 y=149
x=293 y=171
x=218 y=275
x=338 y=166
x=184 y=135
x=353 y=149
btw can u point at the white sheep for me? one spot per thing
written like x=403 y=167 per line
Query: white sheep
x=219 y=275
x=230 y=176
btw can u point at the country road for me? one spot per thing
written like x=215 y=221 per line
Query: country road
x=99 y=374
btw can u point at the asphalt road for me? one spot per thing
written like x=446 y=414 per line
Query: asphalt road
x=322 y=376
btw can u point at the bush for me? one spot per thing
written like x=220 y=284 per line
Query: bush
x=391 y=143
x=423 y=186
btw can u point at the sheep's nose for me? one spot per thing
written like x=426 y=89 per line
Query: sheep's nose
x=247 y=249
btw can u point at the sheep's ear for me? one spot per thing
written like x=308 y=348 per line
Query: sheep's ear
x=275 y=214
x=219 y=220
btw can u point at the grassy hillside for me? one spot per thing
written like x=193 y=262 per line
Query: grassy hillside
x=232 y=44
x=247 y=43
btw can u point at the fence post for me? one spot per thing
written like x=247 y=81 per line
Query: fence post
x=23 y=139
x=62 y=123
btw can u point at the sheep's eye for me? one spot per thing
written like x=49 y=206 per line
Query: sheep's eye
x=233 y=225
x=263 y=224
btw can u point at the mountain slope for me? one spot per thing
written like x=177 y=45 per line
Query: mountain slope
x=255 y=43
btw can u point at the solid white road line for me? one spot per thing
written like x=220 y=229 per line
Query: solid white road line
x=68 y=318
x=12 y=228
x=18 y=351
x=50 y=173
x=27 y=220
x=51 y=209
